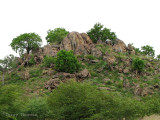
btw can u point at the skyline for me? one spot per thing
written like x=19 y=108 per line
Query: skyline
x=133 y=21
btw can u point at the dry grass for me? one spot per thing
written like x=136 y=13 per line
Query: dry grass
x=152 y=117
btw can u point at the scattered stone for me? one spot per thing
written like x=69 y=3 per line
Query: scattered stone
x=94 y=61
x=52 y=84
x=126 y=71
x=104 y=88
x=83 y=74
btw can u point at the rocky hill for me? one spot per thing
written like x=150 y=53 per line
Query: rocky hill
x=105 y=65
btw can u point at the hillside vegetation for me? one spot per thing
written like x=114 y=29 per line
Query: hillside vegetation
x=87 y=76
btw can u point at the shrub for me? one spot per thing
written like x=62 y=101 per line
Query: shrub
x=38 y=107
x=48 y=60
x=98 y=33
x=138 y=64
x=66 y=62
x=74 y=101
x=56 y=35
x=32 y=61
x=9 y=101
x=35 y=73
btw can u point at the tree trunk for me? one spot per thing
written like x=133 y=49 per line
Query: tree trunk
x=28 y=50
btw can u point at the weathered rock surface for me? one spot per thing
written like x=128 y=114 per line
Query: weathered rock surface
x=119 y=46
x=83 y=74
x=80 y=44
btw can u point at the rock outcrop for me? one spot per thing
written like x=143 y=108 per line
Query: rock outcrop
x=81 y=44
x=119 y=46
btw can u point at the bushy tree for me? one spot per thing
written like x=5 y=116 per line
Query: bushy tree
x=148 y=50
x=66 y=62
x=138 y=64
x=26 y=42
x=74 y=101
x=38 y=107
x=56 y=35
x=99 y=33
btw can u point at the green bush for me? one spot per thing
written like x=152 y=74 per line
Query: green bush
x=74 y=101
x=48 y=60
x=38 y=108
x=32 y=61
x=66 y=62
x=56 y=35
x=138 y=64
x=35 y=73
x=100 y=33
x=9 y=101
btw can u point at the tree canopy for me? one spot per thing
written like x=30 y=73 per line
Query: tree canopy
x=56 y=35
x=99 y=33
x=148 y=50
x=26 y=42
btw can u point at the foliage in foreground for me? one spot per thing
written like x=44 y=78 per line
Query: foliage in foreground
x=66 y=62
x=75 y=100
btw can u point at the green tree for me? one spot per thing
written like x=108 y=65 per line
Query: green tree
x=148 y=50
x=26 y=42
x=99 y=33
x=66 y=62
x=56 y=35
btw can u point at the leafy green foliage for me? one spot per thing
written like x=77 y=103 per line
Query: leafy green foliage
x=32 y=61
x=158 y=57
x=148 y=50
x=138 y=64
x=56 y=35
x=66 y=62
x=38 y=108
x=35 y=73
x=48 y=61
x=26 y=42
x=74 y=101
x=9 y=101
x=137 y=51
x=99 y=33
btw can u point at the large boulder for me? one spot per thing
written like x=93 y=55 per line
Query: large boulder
x=119 y=46
x=80 y=44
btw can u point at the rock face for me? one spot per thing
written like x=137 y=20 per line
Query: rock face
x=80 y=44
x=120 y=46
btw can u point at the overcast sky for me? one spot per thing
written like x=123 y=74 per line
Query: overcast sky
x=134 y=21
